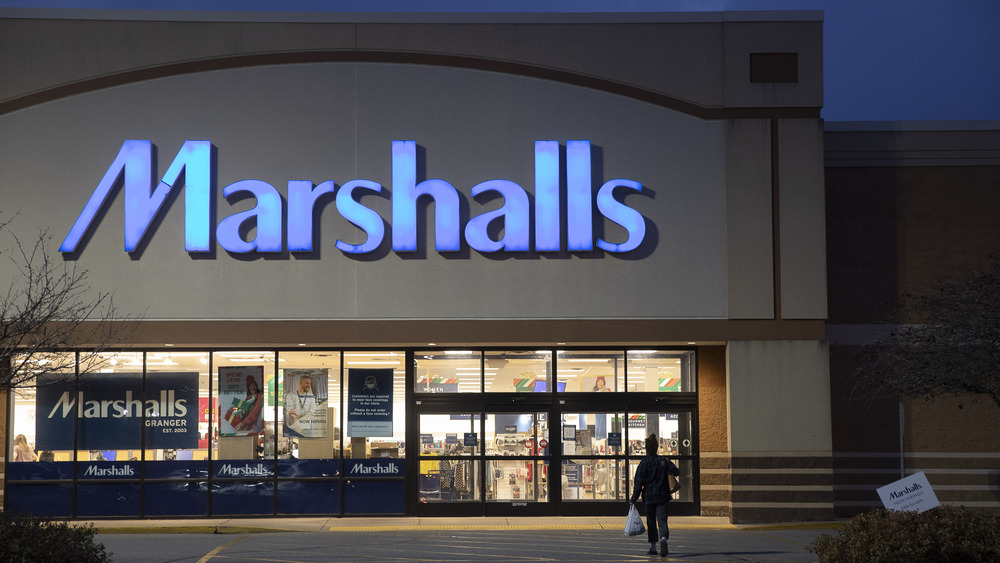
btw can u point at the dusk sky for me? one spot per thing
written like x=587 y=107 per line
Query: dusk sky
x=884 y=60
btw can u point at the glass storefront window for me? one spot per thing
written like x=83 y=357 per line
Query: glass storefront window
x=309 y=406
x=592 y=434
x=177 y=424
x=449 y=434
x=518 y=371
x=594 y=479
x=673 y=430
x=241 y=379
x=661 y=371
x=515 y=434
x=451 y=371
x=517 y=480
x=448 y=470
x=375 y=404
x=590 y=372
x=600 y=437
x=29 y=437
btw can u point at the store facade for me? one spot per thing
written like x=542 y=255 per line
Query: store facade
x=428 y=264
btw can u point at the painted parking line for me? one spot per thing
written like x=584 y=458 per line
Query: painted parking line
x=215 y=552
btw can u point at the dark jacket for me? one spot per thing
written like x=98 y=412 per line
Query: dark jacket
x=651 y=479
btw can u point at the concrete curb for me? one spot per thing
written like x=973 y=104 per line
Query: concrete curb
x=357 y=525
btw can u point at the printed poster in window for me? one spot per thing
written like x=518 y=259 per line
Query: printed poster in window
x=241 y=400
x=305 y=402
x=369 y=403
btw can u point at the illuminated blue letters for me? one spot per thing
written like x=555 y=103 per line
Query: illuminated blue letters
x=364 y=218
x=267 y=213
x=301 y=200
x=579 y=196
x=406 y=191
x=630 y=219
x=141 y=206
x=270 y=225
x=515 y=212
x=547 y=224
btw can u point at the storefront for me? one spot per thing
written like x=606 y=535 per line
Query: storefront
x=428 y=264
x=520 y=432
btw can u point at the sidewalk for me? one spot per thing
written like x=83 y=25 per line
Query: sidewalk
x=452 y=539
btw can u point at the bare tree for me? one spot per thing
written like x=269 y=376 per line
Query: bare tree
x=950 y=344
x=47 y=311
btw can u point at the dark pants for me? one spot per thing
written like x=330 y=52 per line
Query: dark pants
x=656 y=515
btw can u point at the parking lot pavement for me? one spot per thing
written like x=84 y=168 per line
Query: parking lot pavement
x=447 y=539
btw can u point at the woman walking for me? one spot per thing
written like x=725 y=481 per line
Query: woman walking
x=651 y=482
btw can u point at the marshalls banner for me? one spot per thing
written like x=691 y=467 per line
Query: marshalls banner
x=112 y=409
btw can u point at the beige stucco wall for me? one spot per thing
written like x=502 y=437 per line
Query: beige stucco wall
x=779 y=397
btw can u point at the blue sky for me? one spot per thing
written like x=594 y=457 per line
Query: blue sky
x=885 y=60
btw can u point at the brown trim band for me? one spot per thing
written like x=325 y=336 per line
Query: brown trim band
x=375 y=56
x=588 y=332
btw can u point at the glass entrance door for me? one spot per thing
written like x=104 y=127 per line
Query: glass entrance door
x=675 y=435
x=517 y=460
x=450 y=460
x=492 y=462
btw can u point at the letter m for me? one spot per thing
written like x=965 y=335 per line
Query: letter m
x=142 y=204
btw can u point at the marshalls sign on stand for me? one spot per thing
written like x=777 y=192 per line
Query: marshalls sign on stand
x=911 y=493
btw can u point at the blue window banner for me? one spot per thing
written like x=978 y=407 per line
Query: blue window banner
x=308 y=468
x=374 y=497
x=107 y=470
x=118 y=499
x=171 y=411
x=369 y=403
x=308 y=497
x=49 y=500
x=243 y=498
x=381 y=467
x=614 y=439
x=176 y=499
x=470 y=439
x=241 y=400
x=110 y=409
x=40 y=470
x=234 y=469
x=305 y=403
x=177 y=469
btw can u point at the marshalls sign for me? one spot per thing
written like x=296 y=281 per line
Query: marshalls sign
x=913 y=493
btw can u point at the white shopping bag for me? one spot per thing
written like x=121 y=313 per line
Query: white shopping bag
x=633 y=523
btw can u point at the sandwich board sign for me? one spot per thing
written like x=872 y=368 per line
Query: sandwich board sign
x=913 y=493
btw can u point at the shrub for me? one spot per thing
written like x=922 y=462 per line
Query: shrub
x=30 y=540
x=940 y=535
